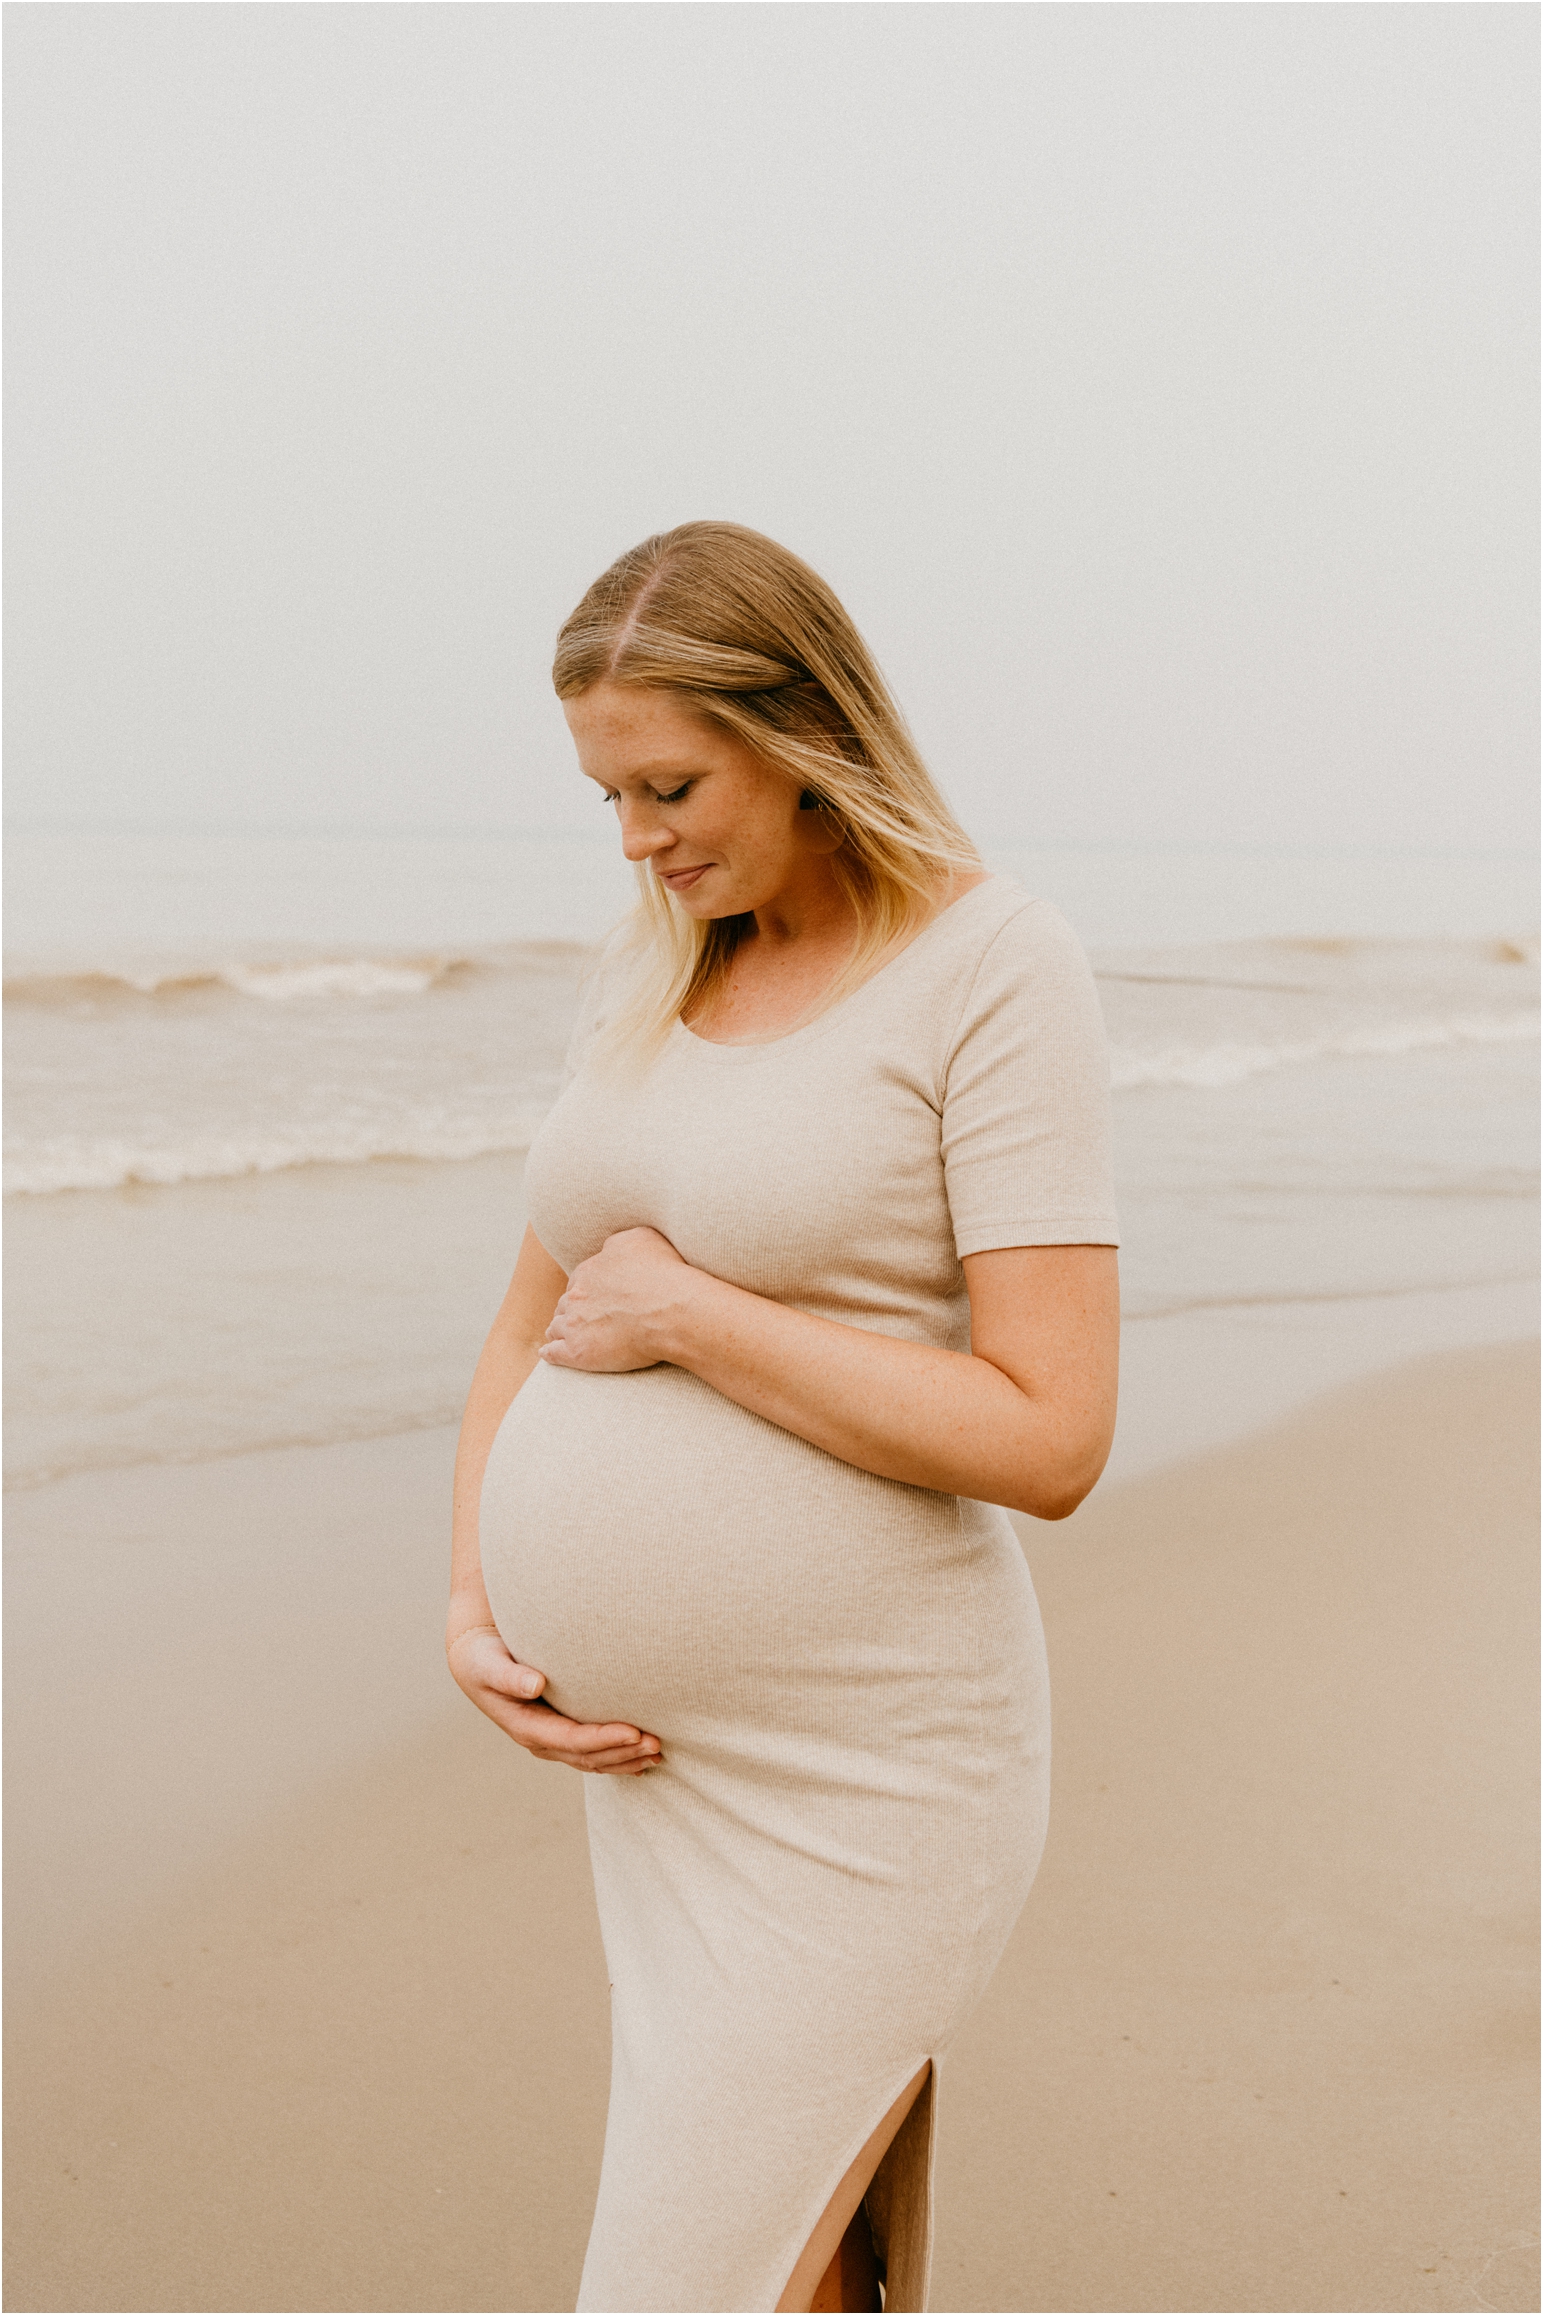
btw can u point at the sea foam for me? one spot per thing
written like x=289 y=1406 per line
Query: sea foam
x=1230 y=1063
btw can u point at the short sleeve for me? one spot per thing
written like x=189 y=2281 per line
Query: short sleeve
x=1026 y=1096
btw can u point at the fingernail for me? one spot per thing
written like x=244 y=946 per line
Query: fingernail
x=529 y=1687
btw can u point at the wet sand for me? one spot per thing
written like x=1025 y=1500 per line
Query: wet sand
x=308 y=2006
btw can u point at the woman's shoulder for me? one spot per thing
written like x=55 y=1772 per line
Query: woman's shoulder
x=607 y=981
x=992 y=902
x=997 y=963
x=998 y=930
x=611 y=968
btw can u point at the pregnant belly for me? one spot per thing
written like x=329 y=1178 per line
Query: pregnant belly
x=665 y=1557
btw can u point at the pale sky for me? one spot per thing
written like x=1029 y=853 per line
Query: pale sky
x=1156 y=384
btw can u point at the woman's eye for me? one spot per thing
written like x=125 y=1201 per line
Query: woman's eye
x=613 y=795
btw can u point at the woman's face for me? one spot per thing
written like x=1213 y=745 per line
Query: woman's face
x=720 y=829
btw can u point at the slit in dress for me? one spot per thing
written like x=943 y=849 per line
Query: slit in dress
x=898 y=2200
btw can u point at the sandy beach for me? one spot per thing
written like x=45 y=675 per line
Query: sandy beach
x=308 y=2008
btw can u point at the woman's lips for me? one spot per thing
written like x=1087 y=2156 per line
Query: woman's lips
x=682 y=879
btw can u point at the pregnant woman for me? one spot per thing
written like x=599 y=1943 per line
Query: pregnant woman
x=819 y=1272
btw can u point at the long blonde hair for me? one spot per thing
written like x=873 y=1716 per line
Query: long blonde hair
x=747 y=634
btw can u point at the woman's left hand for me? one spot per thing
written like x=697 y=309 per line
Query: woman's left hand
x=619 y=1306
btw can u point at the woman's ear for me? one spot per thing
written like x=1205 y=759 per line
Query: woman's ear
x=822 y=832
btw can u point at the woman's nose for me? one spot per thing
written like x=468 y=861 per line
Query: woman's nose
x=639 y=841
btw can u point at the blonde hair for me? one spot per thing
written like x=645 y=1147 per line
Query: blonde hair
x=750 y=636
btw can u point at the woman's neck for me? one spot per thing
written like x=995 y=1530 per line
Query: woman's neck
x=781 y=970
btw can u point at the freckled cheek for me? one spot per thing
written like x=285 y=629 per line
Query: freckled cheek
x=723 y=846
x=754 y=848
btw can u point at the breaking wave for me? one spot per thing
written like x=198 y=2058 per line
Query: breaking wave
x=214 y=1066
x=103 y=1162
x=78 y=1162
x=1206 y=1066
x=281 y=979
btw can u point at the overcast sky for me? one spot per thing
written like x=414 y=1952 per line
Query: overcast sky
x=1155 y=383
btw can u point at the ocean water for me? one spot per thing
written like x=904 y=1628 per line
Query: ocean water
x=263 y=1181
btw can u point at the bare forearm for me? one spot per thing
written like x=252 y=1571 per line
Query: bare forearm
x=933 y=1418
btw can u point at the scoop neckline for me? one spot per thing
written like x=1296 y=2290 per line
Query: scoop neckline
x=747 y=1048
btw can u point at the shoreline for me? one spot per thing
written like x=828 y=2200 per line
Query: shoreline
x=309 y=2006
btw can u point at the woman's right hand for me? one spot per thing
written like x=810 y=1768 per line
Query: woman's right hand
x=508 y=1692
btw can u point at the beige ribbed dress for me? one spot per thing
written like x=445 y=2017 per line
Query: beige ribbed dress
x=846 y=1674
